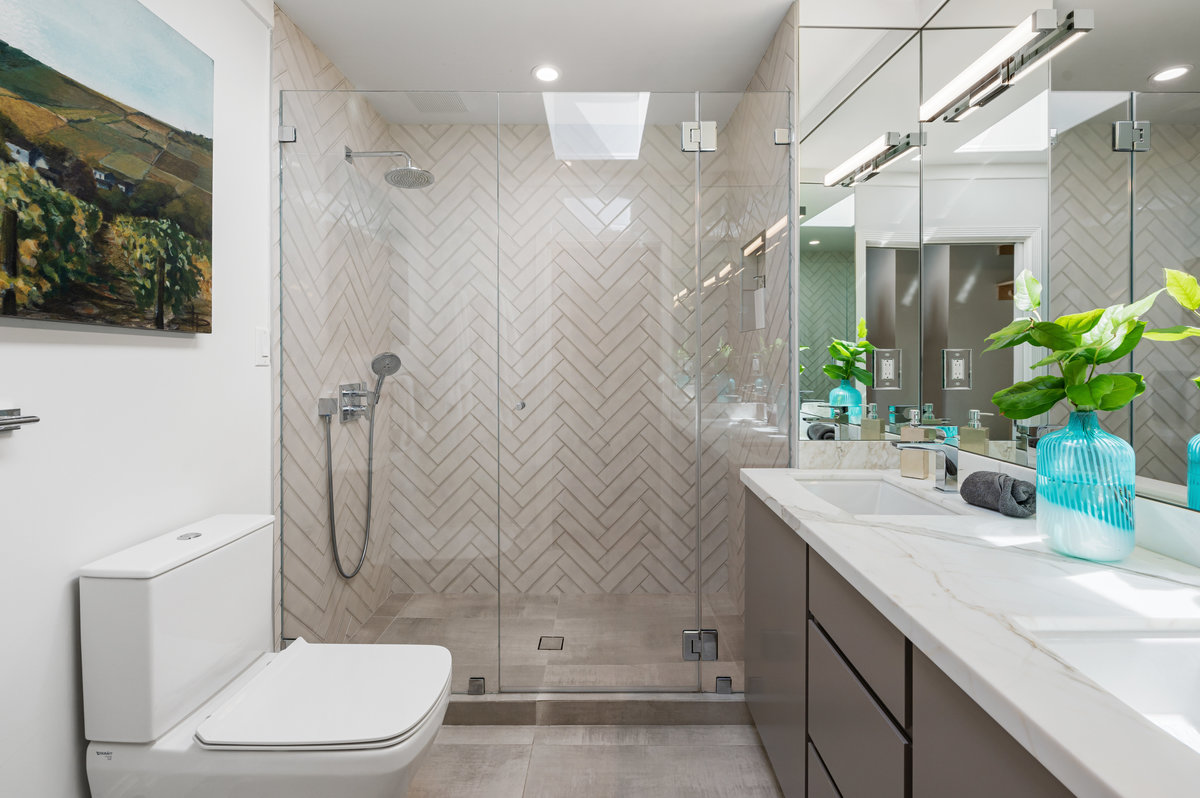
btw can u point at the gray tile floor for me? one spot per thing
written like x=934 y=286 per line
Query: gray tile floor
x=595 y=762
x=615 y=641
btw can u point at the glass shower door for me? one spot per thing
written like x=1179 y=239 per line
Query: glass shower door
x=597 y=410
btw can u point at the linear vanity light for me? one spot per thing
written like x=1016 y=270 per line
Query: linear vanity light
x=1022 y=50
x=872 y=159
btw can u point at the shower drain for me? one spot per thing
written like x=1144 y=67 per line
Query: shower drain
x=546 y=643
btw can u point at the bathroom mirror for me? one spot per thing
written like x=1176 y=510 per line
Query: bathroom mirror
x=857 y=241
x=1036 y=171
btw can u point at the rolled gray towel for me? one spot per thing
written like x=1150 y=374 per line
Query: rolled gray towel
x=1000 y=492
x=821 y=432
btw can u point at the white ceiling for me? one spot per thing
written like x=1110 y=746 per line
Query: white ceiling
x=604 y=45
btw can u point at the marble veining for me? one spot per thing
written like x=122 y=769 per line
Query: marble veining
x=967 y=589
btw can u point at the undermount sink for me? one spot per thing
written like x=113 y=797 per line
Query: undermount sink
x=1156 y=673
x=871 y=497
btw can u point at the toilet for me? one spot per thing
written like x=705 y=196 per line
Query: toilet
x=183 y=695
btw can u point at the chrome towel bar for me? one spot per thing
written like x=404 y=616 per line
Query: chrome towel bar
x=12 y=419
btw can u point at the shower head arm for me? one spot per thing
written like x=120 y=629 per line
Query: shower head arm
x=351 y=155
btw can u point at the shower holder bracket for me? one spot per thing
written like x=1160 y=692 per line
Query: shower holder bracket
x=352 y=400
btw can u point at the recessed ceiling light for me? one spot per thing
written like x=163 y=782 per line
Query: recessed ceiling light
x=1170 y=73
x=813 y=243
x=546 y=73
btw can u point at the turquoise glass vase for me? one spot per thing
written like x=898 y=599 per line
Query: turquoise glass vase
x=846 y=395
x=1194 y=473
x=1085 y=491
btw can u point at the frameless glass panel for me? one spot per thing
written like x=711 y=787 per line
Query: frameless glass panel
x=1166 y=221
x=745 y=363
x=368 y=266
x=597 y=428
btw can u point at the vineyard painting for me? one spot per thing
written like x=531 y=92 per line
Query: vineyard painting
x=106 y=161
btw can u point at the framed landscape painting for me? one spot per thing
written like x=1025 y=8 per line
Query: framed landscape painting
x=105 y=167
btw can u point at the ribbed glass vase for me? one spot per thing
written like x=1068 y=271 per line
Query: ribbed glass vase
x=846 y=395
x=1194 y=473
x=1085 y=491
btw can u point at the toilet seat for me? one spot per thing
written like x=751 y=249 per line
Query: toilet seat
x=331 y=698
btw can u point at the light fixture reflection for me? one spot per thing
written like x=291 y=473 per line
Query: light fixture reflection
x=1171 y=73
x=546 y=73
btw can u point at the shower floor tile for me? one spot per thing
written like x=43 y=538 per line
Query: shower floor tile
x=613 y=641
x=595 y=761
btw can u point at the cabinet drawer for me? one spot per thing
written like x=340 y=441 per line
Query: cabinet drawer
x=868 y=640
x=819 y=784
x=863 y=750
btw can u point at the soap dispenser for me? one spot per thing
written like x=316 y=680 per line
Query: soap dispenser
x=872 y=424
x=974 y=436
x=914 y=463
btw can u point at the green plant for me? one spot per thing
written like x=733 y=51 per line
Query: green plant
x=847 y=357
x=1079 y=344
x=1184 y=289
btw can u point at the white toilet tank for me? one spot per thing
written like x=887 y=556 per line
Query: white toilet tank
x=167 y=623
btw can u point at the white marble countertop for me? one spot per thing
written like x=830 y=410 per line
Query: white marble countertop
x=960 y=587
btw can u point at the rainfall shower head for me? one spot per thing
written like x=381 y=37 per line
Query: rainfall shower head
x=384 y=365
x=407 y=176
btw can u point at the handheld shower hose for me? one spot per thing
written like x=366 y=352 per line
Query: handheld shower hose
x=383 y=365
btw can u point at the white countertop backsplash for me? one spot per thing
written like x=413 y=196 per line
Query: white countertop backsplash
x=958 y=587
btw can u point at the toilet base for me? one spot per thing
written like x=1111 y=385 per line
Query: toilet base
x=176 y=766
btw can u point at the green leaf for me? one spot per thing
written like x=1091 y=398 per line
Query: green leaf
x=1125 y=387
x=1133 y=312
x=862 y=328
x=835 y=372
x=1027 y=292
x=1196 y=380
x=1088 y=395
x=862 y=375
x=1052 y=336
x=1183 y=287
x=1031 y=398
x=1172 y=333
x=1074 y=372
x=1014 y=328
x=842 y=350
x=1106 y=354
x=1080 y=323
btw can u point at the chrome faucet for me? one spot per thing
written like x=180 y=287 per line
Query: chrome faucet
x=946 y=479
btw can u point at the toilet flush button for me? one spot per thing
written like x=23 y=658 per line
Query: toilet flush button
x=188 y=536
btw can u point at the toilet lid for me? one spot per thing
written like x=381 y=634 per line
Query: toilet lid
x=327 y=696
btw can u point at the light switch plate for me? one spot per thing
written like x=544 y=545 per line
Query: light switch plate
x=262 y=346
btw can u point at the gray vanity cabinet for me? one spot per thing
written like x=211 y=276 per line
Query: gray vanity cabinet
x=776 y=614
x=845 y=705
x=958 y=749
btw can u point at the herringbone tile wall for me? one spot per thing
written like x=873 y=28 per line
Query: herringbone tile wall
x=1090 y=262
x=334 y=294
x=825 y=296
x=575 y=294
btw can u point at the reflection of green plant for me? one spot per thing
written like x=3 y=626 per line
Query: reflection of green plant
x=1184 y=289
x=850 y=358
x=799 y=365
x=1078 y=343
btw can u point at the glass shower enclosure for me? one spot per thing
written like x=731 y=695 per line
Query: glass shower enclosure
x=591 y=307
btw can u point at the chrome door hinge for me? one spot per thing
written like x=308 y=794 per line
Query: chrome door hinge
x=698 y=136
x=700 y=644
x=287 y=134
x=1131 y=136
x=783 y=135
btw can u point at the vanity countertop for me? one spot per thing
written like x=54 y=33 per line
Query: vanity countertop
x=963 y=589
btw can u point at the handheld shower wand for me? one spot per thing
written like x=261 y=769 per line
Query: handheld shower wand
x=384 y=365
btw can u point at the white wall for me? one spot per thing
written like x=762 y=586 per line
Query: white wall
x=141 y=432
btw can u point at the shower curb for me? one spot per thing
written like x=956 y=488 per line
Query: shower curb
x=598 y=709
